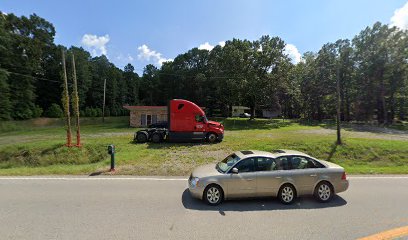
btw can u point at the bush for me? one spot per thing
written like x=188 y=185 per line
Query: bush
x=54 y=111
x=37 y=111
x=98 y=112
x=92 y=112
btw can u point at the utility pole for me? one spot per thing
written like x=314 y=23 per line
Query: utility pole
x=76 y=103
x=103 y=107
x=338 y=105
x=65 y=101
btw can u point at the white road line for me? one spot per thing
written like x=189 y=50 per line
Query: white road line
x=92 y=178
x=385 y=177
x=159 y=179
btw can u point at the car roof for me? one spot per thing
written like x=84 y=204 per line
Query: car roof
x=273 y=154
x=286 y=152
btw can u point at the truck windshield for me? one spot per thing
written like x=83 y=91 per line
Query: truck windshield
x=228 y=162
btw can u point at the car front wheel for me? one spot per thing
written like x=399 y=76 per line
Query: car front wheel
x=213 y=195
x=212 y=137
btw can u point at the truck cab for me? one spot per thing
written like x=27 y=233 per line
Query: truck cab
x=186 y=122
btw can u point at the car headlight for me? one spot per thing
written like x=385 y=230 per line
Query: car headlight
x=194 y=181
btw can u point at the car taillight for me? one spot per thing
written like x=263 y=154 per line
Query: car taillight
x=344 y=176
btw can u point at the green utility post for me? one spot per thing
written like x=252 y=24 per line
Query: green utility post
x=111 y=151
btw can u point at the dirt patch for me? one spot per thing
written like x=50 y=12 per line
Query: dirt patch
x=43 y=122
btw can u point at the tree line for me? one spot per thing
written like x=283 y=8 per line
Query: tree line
x=371 y=70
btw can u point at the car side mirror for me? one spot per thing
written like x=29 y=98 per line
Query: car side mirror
x=234 y=170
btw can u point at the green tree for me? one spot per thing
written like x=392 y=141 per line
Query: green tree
x=5 y=105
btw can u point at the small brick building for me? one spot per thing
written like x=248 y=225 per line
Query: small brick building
x=143 y=116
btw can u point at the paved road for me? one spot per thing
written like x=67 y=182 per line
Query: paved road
x=128 y=208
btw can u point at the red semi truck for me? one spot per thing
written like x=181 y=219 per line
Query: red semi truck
x=186 y=122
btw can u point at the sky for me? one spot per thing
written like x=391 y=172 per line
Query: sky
x=152 y=31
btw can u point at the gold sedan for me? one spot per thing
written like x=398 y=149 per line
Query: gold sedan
x=285 y=174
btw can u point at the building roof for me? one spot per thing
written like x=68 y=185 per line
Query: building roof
x=145 y=107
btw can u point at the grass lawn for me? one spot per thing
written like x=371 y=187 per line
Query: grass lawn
x=36 y=147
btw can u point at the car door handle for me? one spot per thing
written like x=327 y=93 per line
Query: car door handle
x=313 y=175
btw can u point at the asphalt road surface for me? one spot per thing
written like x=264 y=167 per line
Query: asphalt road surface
x=144 y=208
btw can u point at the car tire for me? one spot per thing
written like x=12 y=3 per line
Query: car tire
x=156 y=137
x=287 y=194
x=141 y=137
x=213 y=195
x=212 y=137
x=323 y=192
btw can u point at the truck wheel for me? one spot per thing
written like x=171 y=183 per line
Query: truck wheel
x=156 y=138
x=141 y=137
x=212 y=137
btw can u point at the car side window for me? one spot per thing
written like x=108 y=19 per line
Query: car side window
x=266 y=164
x=282 y=163
x=316 y=164
x=246 y=165
x=299 y=162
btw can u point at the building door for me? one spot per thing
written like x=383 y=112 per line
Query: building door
x=143 y=120
x=149 y=119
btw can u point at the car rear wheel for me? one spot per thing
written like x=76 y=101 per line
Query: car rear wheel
x=141 y=137
x=212 y=137
x=323 y=192
x=156 y=138
x=213 y=195
x=287 y=194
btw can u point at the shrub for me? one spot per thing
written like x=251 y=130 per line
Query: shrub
x=54 y=111
x=37 y=111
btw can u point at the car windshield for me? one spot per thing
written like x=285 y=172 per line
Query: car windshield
x=228 y=162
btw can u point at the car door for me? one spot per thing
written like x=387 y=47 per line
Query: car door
x=243 y=183
x=269 y=176
x=304 y=174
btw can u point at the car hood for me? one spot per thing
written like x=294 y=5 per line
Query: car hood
x=205 y=171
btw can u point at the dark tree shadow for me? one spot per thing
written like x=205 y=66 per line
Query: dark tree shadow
x=259 y=204
x=332 y=152
x=164 y=145
x=242 y=124
x=97 y=173
x=356 y=127
x=51 y=149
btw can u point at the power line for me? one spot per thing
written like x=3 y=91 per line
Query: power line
x=159 y=73
x=26 y=75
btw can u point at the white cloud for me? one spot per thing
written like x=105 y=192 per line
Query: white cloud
x=206 y=46
x=400 y=17
x=123 y=58
x=209 y=47
x=145 y=53
x=97 y=44
x=293 y=53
